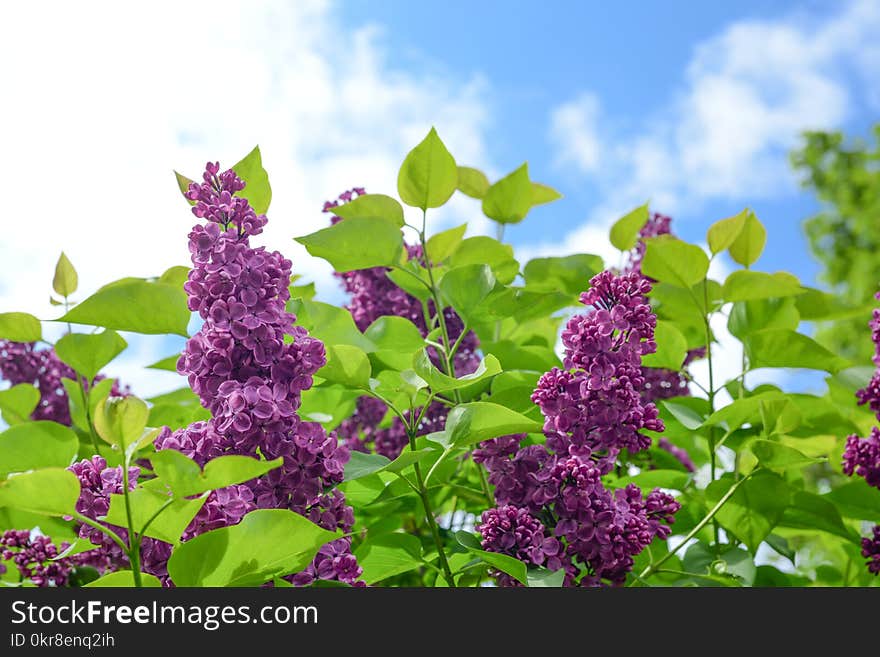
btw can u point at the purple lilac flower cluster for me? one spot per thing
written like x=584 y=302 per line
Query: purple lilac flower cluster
x=870 y=394
x=861 y=456
x=22 y=362
x=374 y=295
x=594 y=402
x=97 y=484
x=871 y=550
x=251 y=379
x=36 y=557
x=554 y=509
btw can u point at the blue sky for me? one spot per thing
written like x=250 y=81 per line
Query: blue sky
x=691 y=105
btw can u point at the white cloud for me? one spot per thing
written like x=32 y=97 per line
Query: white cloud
x=104 y=99
x=573 y=128
x=747 y=95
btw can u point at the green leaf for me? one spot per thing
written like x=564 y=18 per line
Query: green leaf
x=257 y=190
x=671 y=347
x=856 y=499
x=466 y=288
x=399 y=388
x=65 y=280
x=176 y=409
x=749 y=316
x=183 y=184
x=168 y=364
x=35 y=445
x=570 y=274
x=811 y=511
x=362 y=465
x=814 y=304
x=184 y=477
x=146 y=501
x=406 y=280
x=18 y=402
x=520 y=304
x=124 y=579
x=537 y=578
x=134 y=305
x=472 y=182
x=175 y=276
x=389 y=555
x=754 y=509
x=740 y=411
x=330 y=324
x=121 y=420
x=522 y=357
x=346 y=365
x=442 y=245
x=625 y=231
x=20 y=327
x=371 y=206
x=724 y=232
x=358 y=243
x=779 y=416
x=363 y=491
x=396 y=341
x=687 y=416
x=88 y=354
x=50 y=491
x=305 y=291
x=442 y=383
x=428 y=175
x=267 y=543
x=649 y=479
x=509 y=200
x=785 y=348
x=542 y=194
x=777 y=456
x=472 y=423
x=507 y=564
x=732 y=563
x=482 y=250
x=407 y=458
x=749 y=244
x=747 y=285
x=672 y=261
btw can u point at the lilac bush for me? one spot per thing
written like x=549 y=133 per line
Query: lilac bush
x=569 y=462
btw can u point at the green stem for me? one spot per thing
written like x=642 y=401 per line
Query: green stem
x=407 y=271
x=652 y=568
x=429 y=516
x=88 y=411
x=485 y=485
x=106 y=530
x=499 y=231
x=438 y=307
x=711 y=391
x=134 y=552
